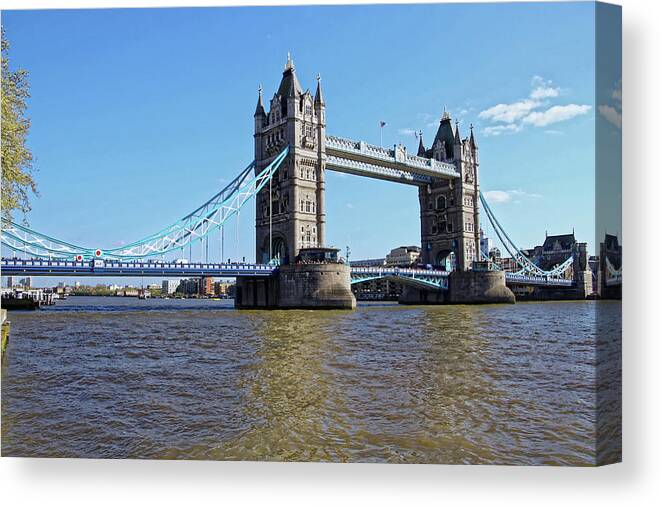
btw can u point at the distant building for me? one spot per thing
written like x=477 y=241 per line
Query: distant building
x=377 y=289
x=224 y=289
x=486 y=244
x=508 y=264
x=403 y=256
x=370 y=262
x=169 y=286
x=188 y=287
x=495 y=255
x=205 y=287
x=26 y=282
x=128 y=292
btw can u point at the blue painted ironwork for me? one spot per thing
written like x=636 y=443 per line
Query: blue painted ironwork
x=189 y=229
x=528 y=268
x=422 y=278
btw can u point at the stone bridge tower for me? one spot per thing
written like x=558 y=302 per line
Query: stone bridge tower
x=297 y=119
x=449 y=212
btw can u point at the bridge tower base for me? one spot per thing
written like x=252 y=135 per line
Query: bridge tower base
x=298 y=286
x=465 y=287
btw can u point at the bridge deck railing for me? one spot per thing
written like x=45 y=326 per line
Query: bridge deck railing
x=391 y=156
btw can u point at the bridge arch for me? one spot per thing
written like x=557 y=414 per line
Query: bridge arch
x=446 y=260
x=278 y=249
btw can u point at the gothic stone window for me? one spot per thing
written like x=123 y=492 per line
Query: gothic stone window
x=441 y=202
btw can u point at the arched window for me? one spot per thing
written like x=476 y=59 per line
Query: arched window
x=441 y=203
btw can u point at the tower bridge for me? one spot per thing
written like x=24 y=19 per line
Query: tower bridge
x=293 y=267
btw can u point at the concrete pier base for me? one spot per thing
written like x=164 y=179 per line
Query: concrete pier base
x=298 y=286
x=465 y=287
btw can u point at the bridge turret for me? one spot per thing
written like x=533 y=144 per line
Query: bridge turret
x=292 y=216
x=448 y=210
x=443 y=145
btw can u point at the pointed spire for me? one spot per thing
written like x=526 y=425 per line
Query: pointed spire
x=259 y=110
x=472 y=137
x=289 y=86
x=421 y=146
x=318 y=96
x=457 y=137
x=290 y=63
x=446 y=114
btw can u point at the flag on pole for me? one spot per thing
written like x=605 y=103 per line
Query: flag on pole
x=382 y=124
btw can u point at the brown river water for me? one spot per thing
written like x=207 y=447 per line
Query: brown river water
x=197 y=379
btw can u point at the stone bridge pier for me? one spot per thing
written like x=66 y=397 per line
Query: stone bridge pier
x=464 y=287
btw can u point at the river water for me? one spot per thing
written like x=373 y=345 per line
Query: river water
x=197 y=379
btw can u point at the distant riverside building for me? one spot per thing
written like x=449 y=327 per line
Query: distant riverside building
x=385 y=289
x=224 y=289
x=188 y=287
x=403 y=256
x=486 y=244
x=370 y=262
x=377 y=289
x=127 y=292
x=495 y=255
x=169 y=286
x=205 y=287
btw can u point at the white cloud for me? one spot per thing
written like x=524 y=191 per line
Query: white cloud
x=556 y=114
x=504 y=196
x=509 y=113
x=611 y=114
x=497 y=196
x=493 y=131
x=528 y=111
x=406 y=131
x=521 y=193
x=542 y=89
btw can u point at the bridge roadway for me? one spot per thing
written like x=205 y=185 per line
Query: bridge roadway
x=429 y=278
x=116 y=268
x=362 y=159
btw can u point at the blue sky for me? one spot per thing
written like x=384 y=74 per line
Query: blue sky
x=140 y=115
